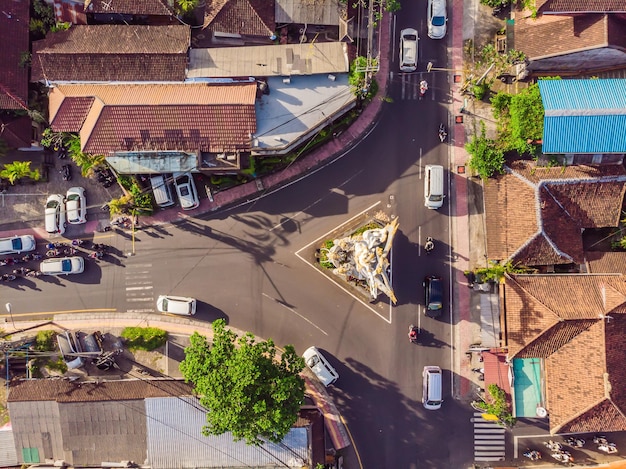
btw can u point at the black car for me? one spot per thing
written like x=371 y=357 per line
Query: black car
x=433 y=293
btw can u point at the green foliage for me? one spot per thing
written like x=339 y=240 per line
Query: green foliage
x=60 y=27
x=486 y=157
x=495 y=272
x=44 y=341
x=247 y=390
x=324 y=262
x=495 y=3
x=57 y=365
x=18 y=170
x=527 y=114
x=25 y=59
x=480 y=90
x=500 y=104
x=144 y=338
x=362 y=229
x=357 y=79
x=42 y=19
x=186 y=6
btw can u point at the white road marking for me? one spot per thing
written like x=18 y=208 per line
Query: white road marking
x=296 y=313
x=147 y=287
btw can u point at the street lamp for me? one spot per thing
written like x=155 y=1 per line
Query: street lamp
x=8 y=307
x=430 y=67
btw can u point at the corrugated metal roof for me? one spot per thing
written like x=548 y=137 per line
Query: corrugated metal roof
x=275 y=60
x=584 y=116
x=8 y=456
x=317 y=12
x=175 y=441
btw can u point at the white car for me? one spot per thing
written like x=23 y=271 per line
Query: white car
x=181 y=305
x=76 y=205
x=437 y=19
x=186 y=190
x=17 y=244
x=408 y=50
x=320 y=366
x=62 y=265
x=55 y=214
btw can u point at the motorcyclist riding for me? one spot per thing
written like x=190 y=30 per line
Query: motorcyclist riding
x=430 y=245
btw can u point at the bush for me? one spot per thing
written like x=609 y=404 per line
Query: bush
x=58 y=365
x=44 y=341
x=144 y=338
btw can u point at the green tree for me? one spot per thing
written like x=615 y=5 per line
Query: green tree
x=496 y=270
x=245 y=388
x=486 y=156
x=527 y=113
x=18 y=170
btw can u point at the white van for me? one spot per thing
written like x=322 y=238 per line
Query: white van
x=320 y=366
x=161 y=191
x=176 y=305
x=431 y=394
x=433 y=186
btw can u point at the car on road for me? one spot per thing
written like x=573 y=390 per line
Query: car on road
x=181 y=305
x=62 y=265
x=437 y=19
x=320 y=366
x=432 y=388
x=433 y=296
x=186 y=190
x=55 y=214
x=17 y=244
x=76 y=205
x=408 y=50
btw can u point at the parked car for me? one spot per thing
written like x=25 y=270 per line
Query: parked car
x=186 y=190
x=55 y=214
x=70 y=348
x=408 y=50
x=17 y=244
x=433 y=292
x=320 y=366
x=437 y=19
x=432 y=388
x=62 y=265
x=76 y=205
x=181 y=305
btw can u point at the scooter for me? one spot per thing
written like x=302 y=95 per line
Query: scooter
x=533 y=455
x=608 y=448
x=66 y=173
x=563 y=456
x=413 y=334
x=442 y=133
x=575 y=442
x=423 y=88
x=553 y=445
x=429 y=246
x=7 y=277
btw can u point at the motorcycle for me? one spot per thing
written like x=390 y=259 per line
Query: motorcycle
x=608 y=448
x=563 y=456
x=7 y=277
x=442 y=133
x=429 y=246
x=96 y=255
x=33 y=273
x=100 y=247
x=69 y=251
x=423 y=88
x=575 y=442
x=77 y=242
x=66 y=173
x=533 y=455
x=21 y=271
x=52 y=253
x=554 y=446
x=413 y=334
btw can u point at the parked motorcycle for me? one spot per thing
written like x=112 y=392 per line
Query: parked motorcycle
x=66 y=173
x=7 y=277
x=52 y=253
x=563 y=456
x=553 y=445
x=575 y=442
x=533 y=455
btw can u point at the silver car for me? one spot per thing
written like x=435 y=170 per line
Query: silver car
x=408 y=50
x=437 y=19
x=186 y=190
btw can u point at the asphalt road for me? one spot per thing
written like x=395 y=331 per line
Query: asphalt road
x=241 y=264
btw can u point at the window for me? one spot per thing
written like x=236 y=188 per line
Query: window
x=30 y=455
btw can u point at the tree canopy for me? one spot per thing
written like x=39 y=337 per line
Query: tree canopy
x=486 y=157
x=246 y=389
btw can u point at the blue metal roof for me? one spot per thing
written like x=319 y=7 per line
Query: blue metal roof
x=584 y=116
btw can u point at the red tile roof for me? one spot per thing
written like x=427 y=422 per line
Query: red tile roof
x=582 y=6
x=535 y=215
x=113 y=53
x=245 y=17
x=16 y=130
x=72 y=114
x=66 y=391
x=129 y=7
x=14 y=32
x=209 y=128
x=496 y=370
x=601 y=262
x=559 y=318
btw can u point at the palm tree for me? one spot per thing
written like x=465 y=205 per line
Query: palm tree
x=17 y=170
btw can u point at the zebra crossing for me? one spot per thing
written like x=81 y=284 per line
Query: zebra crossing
x=489 y=444
x=410 y=89
x=139 y=288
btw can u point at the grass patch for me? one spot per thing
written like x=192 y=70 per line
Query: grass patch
x=364 y=228
x=144 y=338
x=324 y=262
